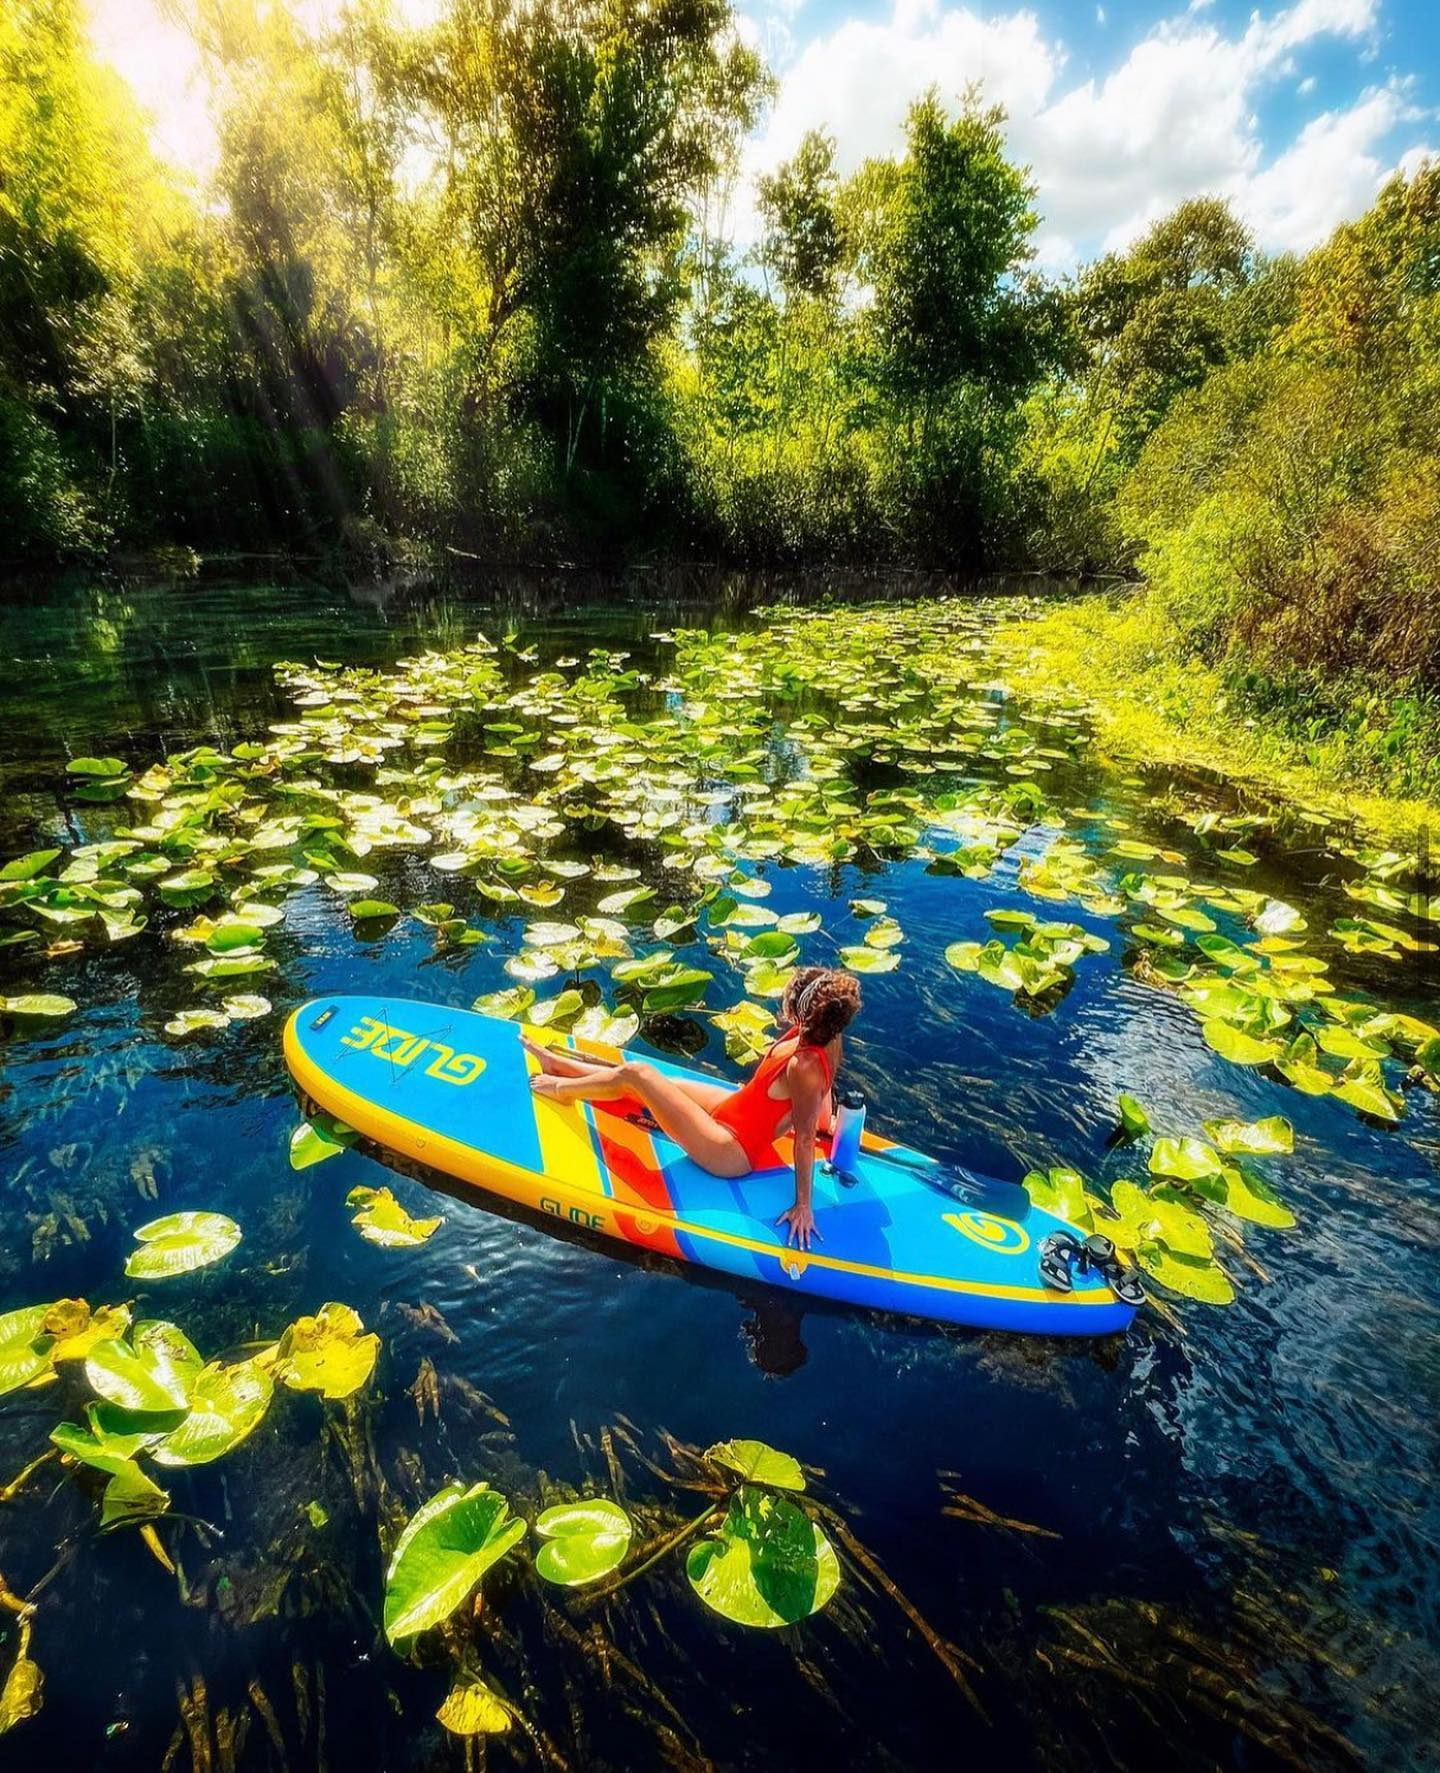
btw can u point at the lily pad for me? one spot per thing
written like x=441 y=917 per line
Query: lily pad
x=131 y=1496
x=1188 y=1160
x=473 y=1709
x=227 y=1405
x=151 y=1374
x=197 y=1021
x=758 y=1463
x=29 y=866
x=767 y=1564
x=1203 y=1281
x=372 y=910
x=1249 y=1197
x=1061 y=1192
x=24 y=1347
x=331 y=1353
x=1133 y=1117
x=1261 y=1138
x=862 y=959
x=311 y=1143
x=39 y=1005
x=102 y=1447
x=445 y=1549
x=98 y=768
x=380 y=1219
x=180 y=1243
x=584 y=1540
x=1238 y=1047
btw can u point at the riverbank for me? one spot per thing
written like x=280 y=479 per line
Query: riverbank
x=1347 y=749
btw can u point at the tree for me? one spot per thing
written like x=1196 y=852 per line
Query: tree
x=952 y=311
x=1154 y=318
x=802 y=242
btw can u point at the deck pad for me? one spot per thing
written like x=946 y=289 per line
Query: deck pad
x=450 y=1089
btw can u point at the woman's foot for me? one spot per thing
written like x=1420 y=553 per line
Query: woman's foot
x=557 y=1089
x=551 y=1063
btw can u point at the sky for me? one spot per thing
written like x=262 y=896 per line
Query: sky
x=1296 y=112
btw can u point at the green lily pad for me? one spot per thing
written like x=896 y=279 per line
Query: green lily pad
x=151 y=1374
x=372 y=910
x=246 y=1006
x=445 y=1549
x=1261 y=1138
x=180 y=1243
x=1369 y=1097
x=584 y=1540
x=1188 y=1160
x=197 y=1022
x=611 y=1028
x=473 y=1709
x=1249 y=1197
x=380 y=1219
x=331 y=1353
x=862 y=959
x=98 y=768
x=1238 y=1047
x=131 y=1497
x=1205 y=1282
x=758 y=1463
x=767 y=1564
x=227 y=1405
x=1133 y=1117
x=311 y=1143
x=1161 y=1216
x=24 y=1347
x=1062 y=1193
x=39 y=1005
x=100 y=1446
x=29 y=866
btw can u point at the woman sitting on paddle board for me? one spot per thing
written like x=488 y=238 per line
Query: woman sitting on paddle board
x=731 y=1132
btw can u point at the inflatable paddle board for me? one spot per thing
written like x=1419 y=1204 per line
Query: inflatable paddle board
x=450 y=1089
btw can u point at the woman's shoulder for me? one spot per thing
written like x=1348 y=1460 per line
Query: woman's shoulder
x=810 y=1061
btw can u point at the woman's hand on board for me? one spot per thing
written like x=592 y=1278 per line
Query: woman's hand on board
x=800 y=1221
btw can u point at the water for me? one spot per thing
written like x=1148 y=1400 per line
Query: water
x=1247 y=1565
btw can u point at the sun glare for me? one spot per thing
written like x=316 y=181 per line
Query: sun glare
x=162 y=67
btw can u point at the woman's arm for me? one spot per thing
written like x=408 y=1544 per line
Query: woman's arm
x=807 y=1098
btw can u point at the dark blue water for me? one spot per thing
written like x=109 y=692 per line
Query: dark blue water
x=1247 y=1563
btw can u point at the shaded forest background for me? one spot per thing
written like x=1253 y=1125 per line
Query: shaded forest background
x=472 y=287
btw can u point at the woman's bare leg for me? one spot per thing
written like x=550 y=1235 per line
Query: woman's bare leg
x=557 y=1062
x=688 y=1122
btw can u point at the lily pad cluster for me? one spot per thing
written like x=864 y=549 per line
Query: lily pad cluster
x=1196 y=1189
x=629 y=822
x=1039 y=964
x=151 y=1395
x=762 y=1561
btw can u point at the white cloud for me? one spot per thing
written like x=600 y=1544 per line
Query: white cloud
x=1175 y=119
x=1330 y=172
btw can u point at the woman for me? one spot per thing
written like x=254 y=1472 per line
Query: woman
x=732 y=1132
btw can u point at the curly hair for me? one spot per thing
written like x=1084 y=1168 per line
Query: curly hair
x=821 y=1001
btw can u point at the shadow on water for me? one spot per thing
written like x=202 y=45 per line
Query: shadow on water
x=1247 y=1568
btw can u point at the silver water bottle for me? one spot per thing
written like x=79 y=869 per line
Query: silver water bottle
x=845 y=1138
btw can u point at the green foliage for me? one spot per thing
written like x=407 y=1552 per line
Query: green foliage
x=766 y=1564
x=446 y=1547
x=180 y=1243
x=584 y=1540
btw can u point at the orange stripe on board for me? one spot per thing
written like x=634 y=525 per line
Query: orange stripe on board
x=636 y=1180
